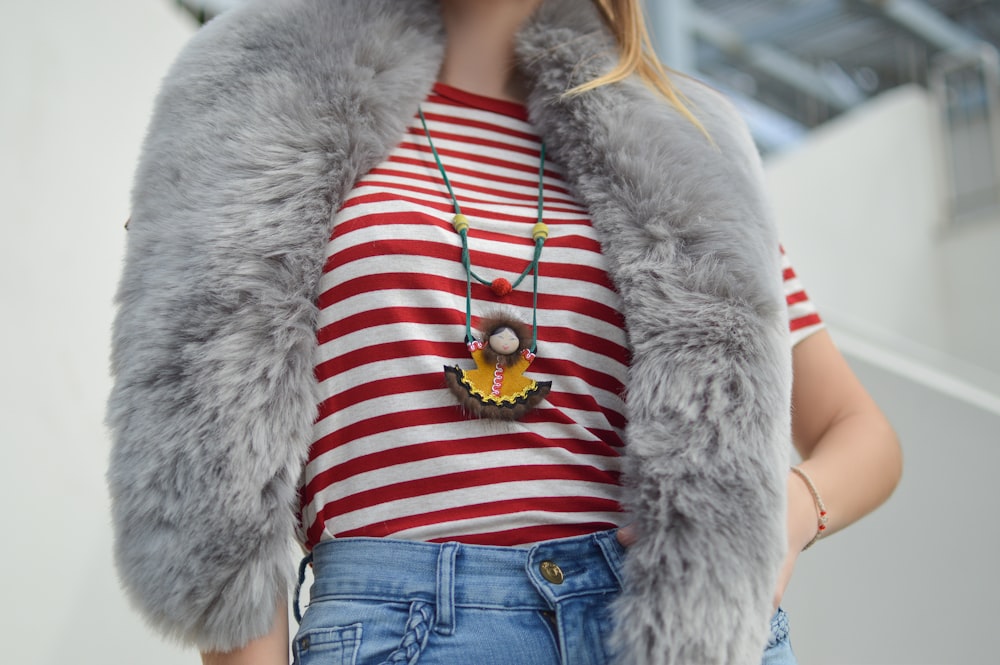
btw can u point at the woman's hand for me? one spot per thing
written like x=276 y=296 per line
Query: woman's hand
x=626 y=535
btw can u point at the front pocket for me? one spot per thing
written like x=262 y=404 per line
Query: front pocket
x=339 y=631
x=330 y=646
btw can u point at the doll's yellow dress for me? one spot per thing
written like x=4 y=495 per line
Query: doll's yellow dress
x=493 y=390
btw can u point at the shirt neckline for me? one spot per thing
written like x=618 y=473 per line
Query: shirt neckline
x=482 y=102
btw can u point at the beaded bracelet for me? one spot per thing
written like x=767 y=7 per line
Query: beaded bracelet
x=820 y=506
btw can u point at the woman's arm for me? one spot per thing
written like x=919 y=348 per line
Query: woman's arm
x=269 y=649
x=848 y=448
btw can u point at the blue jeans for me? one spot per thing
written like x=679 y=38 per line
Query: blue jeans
x=379 y=602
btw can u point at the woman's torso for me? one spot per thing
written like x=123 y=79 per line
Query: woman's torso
x=393 y=454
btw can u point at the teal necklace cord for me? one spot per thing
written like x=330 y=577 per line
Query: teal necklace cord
x=539 y=232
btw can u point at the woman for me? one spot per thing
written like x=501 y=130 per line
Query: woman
x=254 y=267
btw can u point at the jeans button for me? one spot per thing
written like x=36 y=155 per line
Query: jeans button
x=551 y=572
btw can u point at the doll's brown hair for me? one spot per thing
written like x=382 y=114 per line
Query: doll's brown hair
x=491 y=324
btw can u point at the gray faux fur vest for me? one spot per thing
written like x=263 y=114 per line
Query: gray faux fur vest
x=265 y=122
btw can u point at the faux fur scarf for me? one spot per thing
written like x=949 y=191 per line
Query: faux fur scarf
x=265 y=122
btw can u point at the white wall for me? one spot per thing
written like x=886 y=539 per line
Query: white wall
x=861 y=205
x=970 y=259
x=77 y=81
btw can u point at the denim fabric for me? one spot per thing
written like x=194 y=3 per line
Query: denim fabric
x=385 y=602
x=779 y=648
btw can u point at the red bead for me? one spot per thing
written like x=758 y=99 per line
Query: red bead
x=822 y=513
x=500 y=286
x=822 y=527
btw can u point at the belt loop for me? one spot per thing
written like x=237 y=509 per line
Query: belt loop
x=445 y=614
x=306 y=560
x=612 y=551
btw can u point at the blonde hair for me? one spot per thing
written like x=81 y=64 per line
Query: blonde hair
x=636 y=56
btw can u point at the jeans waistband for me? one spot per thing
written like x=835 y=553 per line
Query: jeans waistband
x=455 y=574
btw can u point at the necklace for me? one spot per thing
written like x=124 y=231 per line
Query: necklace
x=497 y=387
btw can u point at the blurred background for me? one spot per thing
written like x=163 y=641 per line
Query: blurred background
x=879 y=122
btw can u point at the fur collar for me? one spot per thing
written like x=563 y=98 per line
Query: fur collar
x=264 y=123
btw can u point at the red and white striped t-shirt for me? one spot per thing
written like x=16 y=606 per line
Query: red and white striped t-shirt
x=393 y=454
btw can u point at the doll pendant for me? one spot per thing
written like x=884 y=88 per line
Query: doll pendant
x=497 y=387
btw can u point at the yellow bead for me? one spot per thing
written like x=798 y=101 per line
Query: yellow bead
x=460 y=222
x=540 y=230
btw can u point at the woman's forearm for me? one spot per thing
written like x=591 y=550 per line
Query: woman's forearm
x=849 y=450
x=269 y=649
x=855 y=467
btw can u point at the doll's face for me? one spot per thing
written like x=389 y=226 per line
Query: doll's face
x=503 y=341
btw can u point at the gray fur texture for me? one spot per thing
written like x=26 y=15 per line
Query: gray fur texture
x=265 y=122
